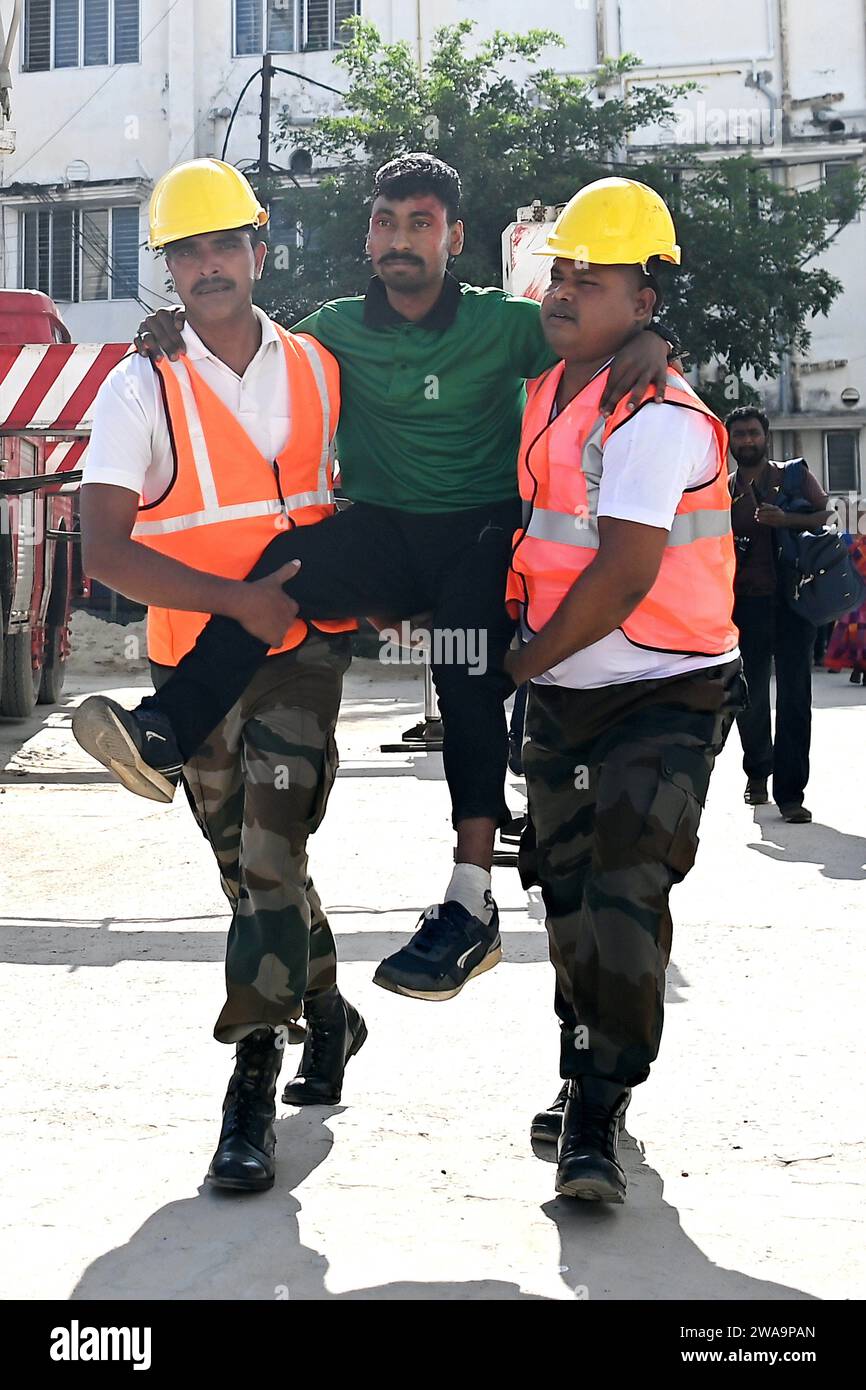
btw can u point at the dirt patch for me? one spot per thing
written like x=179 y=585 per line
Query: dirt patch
x=101 y=645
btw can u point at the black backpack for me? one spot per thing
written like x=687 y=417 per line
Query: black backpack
x=819 y=580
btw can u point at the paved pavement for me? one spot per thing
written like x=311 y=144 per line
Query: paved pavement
x=745 y=1151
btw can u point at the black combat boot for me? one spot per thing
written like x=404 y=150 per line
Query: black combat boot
x=335 y=1032
x=546 y=1126
x=244 y=1160
x=588 y=1164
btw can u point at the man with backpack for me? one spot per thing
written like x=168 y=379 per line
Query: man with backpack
x=767 y=500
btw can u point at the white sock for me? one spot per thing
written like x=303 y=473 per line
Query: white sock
x=470 y=885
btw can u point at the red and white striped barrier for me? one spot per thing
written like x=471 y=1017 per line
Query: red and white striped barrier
x=49 y=389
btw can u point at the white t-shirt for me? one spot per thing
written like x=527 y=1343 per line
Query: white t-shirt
x=129 y=443
x=647 y=466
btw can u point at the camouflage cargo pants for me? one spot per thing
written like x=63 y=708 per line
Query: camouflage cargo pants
x=617 y=780
x=258 y=788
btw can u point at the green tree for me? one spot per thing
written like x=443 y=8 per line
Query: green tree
x=748 y=285
x=511 y=138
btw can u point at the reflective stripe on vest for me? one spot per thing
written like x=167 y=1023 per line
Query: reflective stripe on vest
x=226 y=501
x=566 y=529
x=560 y=468
x=236 y=511
x=315 y=361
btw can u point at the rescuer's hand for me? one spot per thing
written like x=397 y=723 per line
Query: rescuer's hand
x=263 y=608
x=159 y=334
x=642 y=362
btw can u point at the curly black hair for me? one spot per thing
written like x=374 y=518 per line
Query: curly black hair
x=418 y=172
x=748 y=412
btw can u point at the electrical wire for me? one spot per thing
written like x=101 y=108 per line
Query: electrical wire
x=94 y=93
x=312 y=81
x=103 y=258
x=258 y=72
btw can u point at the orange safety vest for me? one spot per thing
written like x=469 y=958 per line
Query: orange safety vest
x=226 y=501
x=688 y=609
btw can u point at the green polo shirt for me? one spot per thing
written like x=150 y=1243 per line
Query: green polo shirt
x=431 y=411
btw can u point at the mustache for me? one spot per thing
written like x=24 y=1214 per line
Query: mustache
x=209 y=285
x=392 y=259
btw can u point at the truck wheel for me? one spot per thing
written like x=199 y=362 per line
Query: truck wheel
x=53 y=668
x=20 y=681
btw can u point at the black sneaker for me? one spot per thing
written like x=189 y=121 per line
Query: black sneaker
x=449 y=948
x=138 y=746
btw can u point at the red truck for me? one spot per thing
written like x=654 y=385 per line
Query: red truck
x=47 y=387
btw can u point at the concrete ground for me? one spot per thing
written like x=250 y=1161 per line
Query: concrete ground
x=744 y=1152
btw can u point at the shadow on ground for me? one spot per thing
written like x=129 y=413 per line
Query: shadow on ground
x=218 y=1246
x=836 y=854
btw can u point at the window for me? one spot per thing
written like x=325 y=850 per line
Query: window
x=95 y=32
x=37 y=35
x=126 y=31
x=840 y=178
x=292 y=26
x=283 y=20
x=65 y=34
x=79 y=33
x=124 y=252
x=248 y=26
x=77 y=253
x=93 y=242
x=842 y=452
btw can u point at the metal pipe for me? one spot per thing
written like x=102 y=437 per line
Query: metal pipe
x=8 y=42
x=601 y=32
x=785 y=62
x=773 y=100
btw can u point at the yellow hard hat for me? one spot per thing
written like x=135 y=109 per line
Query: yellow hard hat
x=614 y=222
x=203 y=195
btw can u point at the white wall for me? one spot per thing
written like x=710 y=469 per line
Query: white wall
x=122 y=129
x=827 y=44
x=137 y=120
x=574 y=22
x=669 y=32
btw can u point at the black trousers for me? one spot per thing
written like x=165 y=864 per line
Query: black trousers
x=770 y=632
x=375 y=561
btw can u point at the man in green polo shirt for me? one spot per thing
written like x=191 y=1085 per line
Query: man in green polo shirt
x=432 y=381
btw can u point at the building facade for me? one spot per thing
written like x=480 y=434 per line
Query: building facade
x=107 y=94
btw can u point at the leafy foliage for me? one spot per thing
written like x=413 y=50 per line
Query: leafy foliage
x=746 y=289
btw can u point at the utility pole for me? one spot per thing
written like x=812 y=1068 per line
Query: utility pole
x=265 y=122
